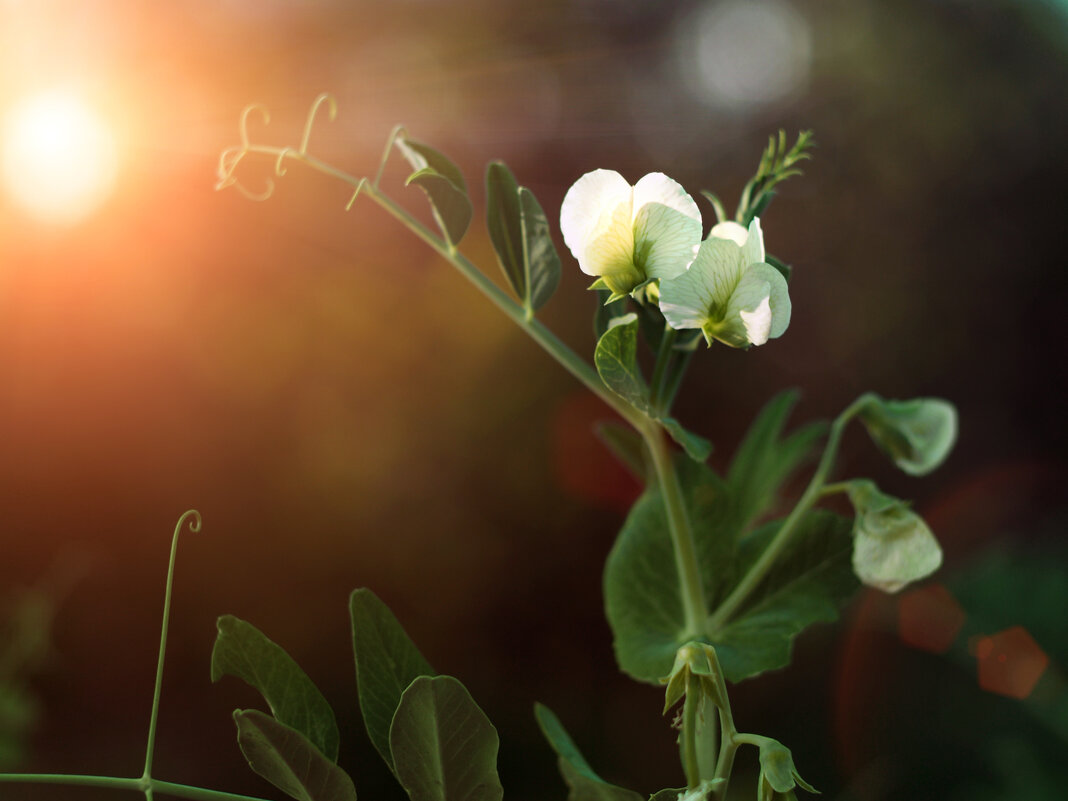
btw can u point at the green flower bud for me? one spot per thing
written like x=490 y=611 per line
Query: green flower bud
x=778 y=776
x=892 y=545
x=917 y=434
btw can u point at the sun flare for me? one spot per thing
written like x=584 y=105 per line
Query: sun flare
x=59 y=159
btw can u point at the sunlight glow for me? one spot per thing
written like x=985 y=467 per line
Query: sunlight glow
x=59 y=159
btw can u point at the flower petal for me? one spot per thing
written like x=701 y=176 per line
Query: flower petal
x=667 y=226
x=754 y=243
x=594 y=207
x=701 y=294
x=730 y=230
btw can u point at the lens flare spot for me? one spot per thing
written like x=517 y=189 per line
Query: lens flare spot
x=1010 y=662
x=59 y=159
x=929 y=618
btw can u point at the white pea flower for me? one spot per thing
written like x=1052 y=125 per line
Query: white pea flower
x=892 y=545
x=729 y=292
x=627 y=235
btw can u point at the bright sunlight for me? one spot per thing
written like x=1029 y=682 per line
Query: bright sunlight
x=59 y=157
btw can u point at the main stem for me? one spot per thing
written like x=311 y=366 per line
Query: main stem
x=118 y=783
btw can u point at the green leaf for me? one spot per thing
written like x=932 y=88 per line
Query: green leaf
x=241 y=650
x=810 y=581
x=606 y=312
x=386 y=663
x=584 y=783
x=443 y=745
x=520 y=234
x=764 y=461
x=616 y=358
x=641 y=583
x=917 y=434
x=540 y=259
x=670 y=794
x=444 y=186
x=289 y=761
x=697 y=448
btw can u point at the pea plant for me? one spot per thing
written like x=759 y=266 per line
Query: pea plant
x=701 y=589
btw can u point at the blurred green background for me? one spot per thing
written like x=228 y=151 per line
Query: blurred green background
x=345 y=411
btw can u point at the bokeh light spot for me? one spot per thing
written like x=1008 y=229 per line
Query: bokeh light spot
x=929 y=618
x=744 y=54
x=59 y=159
x=1010 y=662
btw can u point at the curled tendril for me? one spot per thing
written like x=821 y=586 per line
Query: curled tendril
x=190 y=518
x=232 y=156
x=309 y=123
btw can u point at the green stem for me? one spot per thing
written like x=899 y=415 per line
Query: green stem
x=135 y=785
x=663 y=356
x=751 y=580
x=728 y=745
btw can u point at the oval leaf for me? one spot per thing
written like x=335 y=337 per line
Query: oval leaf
x=616 y=358
x=387 y=661
x=505 y=224
x=541 y=262
x=243 y=651
x=449 y=204
x=444 y=747
x=420 y=156
x=584 y=783
x=285 y=758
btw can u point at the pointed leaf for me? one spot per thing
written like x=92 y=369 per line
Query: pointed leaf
x=444 y=747
x=697 y=448
x=449 y=204
x=505 y=224
x=811 y=580
x=616 y=358
x=241 y=650
x=289 y=761
x=584 y=783
x=386 y=663
x=764 y=461
x=420 y=156
x=541 y=262
x=641 y=584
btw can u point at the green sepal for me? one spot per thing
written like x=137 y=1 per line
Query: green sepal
x=916 y=434
x=387 y=661
x=241 y=650
x=694 y=659
x=811 y=580
x=764 y=459
x=444 y=185
x=585 y=784
x=288 y=760
x=444 y=747
x=520 y=235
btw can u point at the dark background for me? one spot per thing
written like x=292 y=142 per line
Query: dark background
x=346 y=411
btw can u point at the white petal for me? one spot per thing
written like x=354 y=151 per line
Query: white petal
x=754 y=243
x=591 y=206
x=667 y=226
x=779 y=300
x=750 y=307
x=890 y=560
x=702 y=293
x=729 y=230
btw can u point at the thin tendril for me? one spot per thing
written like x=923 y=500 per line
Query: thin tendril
x=192 y=519
x=232 y=156
x=398 y=132
x=310 y=122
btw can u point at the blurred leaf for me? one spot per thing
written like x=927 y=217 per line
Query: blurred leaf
x=764 y=461
x=917 y=434
x=243 y=651
x=444 y=747
x=584 y=783
x=616 y=358
x=285 y=758
x=387 y=661
x=444 y=186
x=641 y=584
x=696 y=447
x=810 y=581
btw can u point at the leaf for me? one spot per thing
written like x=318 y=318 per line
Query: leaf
x=697 y=448
x=444 y=186
x=670 y=794
x=808 y=584
x=541 y=260
x=616 y=358
x=504 y=221
x=444 y=747
x=241 y=650
x=520 y=234
x=584 y=783
x=606 y=312
x=386 y=663
x=641 y=583
x=764 y=461
x=288 y=760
